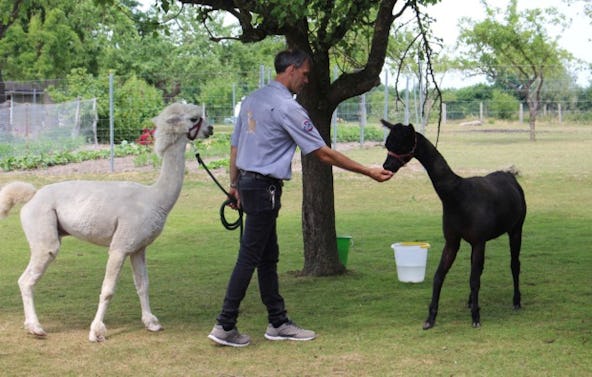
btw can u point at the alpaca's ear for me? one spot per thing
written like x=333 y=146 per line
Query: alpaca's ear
x=386 y=124
x=411 y=126
x=174 y=119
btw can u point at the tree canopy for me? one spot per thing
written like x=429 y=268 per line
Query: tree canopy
x=515 y=52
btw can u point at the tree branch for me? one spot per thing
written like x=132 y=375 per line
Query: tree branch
x=352 y=84
x=13 y=15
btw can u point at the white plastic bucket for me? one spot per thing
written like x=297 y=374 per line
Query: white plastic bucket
x=411 y=259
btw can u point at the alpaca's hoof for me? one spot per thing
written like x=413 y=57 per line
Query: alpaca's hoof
x=517 y=307
x=97 y=332
x=35 y=329
x=95 y=338
x=428 y=325
x=154 y=327
x=476 y=325
x=152 y=323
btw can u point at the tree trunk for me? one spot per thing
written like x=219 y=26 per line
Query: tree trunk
x=532 y=115
x=318 y=199
x=318 y=219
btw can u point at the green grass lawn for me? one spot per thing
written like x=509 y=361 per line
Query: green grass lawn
x=368 y=323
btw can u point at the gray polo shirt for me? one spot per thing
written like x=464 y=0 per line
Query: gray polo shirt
x=269 y=127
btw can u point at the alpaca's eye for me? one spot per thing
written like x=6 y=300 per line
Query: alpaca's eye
x=194 y=119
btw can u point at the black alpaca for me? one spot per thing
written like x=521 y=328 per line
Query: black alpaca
x=475 y=209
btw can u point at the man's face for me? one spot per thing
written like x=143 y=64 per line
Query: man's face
x=298 y=77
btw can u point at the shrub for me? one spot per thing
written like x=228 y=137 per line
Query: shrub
x=347 y=133
x=503 y=105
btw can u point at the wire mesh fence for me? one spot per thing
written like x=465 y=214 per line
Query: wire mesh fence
x=37 y=128
x=30 y=123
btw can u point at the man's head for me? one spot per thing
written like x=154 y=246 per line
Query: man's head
x=292 y=67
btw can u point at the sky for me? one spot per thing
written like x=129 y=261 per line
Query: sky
x=577 y=39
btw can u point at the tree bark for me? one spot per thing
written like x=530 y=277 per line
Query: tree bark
x=318 y=219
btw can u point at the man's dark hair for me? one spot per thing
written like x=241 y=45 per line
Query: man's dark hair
x=289 y=57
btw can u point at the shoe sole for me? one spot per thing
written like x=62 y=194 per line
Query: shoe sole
x=271 y=337
x=226 y=343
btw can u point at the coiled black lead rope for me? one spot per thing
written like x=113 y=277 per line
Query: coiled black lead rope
x=228 y=225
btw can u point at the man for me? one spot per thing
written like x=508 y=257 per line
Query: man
x=270 y=125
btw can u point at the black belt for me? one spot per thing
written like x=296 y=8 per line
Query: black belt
x=259 y=176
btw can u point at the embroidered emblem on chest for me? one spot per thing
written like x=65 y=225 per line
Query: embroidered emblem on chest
x=252 y=124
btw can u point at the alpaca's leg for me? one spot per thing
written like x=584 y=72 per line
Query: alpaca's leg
x=114 y=263
x=515 y=245
x=41 y=257
x=448 y=256
x=477 y=261
x=40 y=228
x=138 y=261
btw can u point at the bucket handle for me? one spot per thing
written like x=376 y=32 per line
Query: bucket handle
x=423 y=245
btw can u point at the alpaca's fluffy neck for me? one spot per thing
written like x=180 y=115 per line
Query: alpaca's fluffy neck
x=169 y=183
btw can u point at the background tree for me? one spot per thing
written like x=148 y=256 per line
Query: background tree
x=352 y=35
x=179 y=58
x=516 y=53
x=46 y=39
x=10 y=11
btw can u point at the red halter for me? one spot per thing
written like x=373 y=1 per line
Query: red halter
x=401 y=157
x=194 y=130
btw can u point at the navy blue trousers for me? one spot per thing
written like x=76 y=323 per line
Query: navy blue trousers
x=260 y=200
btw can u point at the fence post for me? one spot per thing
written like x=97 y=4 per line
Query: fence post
x=334 y=115
x=11 y=121
x=559 y=113
x=76 y=131
x=261 y=76
x=233 y=101
x=415 y=106
x=95 y=120
x=386 y=101
x=111 y=122
x=481 y=112
x=521 y=113
x=444 y=115
x=363 y=118
x=407 y=100
x=421 y=95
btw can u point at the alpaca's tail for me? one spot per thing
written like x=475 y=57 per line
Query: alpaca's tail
x=512 y=170
x=13 y=193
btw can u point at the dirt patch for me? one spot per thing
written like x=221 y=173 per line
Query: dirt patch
x=101 y=166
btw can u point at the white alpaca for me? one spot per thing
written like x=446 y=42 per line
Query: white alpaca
x=125 y=216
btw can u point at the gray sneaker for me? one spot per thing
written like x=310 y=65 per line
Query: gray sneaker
x=288 y=330
x=230 y=338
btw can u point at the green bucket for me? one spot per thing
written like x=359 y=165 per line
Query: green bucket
x=343 y=245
